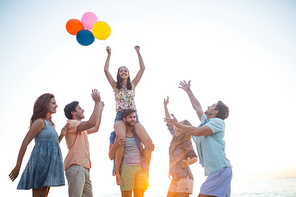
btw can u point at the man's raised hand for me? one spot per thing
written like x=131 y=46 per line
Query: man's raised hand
x=96 y=96
x=185 y=86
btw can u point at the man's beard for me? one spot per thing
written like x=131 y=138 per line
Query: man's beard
x=207 y=113
x=131 y=123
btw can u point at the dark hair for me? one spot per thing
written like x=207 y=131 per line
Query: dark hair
x=127 y=112
x=223 y=110
x=69 y=108
x=40 y=109
x=119 y=80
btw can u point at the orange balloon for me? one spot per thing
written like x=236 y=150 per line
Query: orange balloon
x=73 y=26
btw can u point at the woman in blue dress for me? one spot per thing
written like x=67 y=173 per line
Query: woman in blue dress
x=45 y=166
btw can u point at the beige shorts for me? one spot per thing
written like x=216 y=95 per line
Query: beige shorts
x=133 y=177
x=79 y=183
x=184 y=185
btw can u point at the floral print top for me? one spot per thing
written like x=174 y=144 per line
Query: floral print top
x=125 y=99
x=182 y=152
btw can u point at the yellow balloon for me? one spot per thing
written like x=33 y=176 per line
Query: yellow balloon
x=101 y=30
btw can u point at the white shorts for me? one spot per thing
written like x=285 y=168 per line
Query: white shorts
x=184 y=185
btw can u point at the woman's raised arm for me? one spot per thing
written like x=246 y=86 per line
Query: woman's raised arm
x=142 y=68
x=106 y=68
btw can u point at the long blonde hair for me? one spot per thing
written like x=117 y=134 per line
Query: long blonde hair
x=181 y=138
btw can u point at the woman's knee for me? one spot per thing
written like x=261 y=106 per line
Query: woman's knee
x=40 y=192
x=120 y=129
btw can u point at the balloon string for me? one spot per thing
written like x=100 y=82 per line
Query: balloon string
x=104 y=43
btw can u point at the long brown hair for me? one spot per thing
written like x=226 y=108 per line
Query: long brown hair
x=181 y=138
x=40 y=109
x=119 y=80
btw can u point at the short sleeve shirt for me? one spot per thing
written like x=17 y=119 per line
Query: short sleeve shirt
x=212 y=157
x=180 y=153
x=78 y=146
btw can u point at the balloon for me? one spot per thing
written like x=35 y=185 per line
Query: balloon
x=73 y=26
x=85 y=37
x=101 y=30
x=89 y=19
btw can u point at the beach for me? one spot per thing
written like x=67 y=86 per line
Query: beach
x=262 y=188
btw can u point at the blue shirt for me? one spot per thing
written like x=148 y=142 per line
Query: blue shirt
x=211 y=148
x=138 y=142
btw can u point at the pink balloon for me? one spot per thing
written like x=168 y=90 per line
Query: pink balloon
x=89 y=19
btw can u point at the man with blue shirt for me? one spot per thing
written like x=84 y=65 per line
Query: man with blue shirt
x=208 y=137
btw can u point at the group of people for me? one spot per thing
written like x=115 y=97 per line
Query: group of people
x=130 y=145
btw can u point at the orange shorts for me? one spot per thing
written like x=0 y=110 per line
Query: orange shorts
x=184 y=185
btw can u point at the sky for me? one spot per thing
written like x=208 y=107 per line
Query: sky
x=240 y=52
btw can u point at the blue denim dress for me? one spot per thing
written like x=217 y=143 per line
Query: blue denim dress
x=45 y=166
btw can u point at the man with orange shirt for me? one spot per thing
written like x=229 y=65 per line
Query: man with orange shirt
x=77 y=162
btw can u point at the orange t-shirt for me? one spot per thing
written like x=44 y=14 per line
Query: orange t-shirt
x=77 y=143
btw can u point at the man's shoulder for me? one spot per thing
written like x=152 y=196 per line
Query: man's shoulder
x=217 y=121
x=216 y=124
x=72 y=121
x=113 y=134
x=73 y=124
x=112 y=137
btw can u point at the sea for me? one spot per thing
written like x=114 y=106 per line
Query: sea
x=262 y=188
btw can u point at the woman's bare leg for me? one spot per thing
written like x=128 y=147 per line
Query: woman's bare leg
x=203 y=195
x=126 y=193
x=47 y=191
x=120 y=130
x=40 y=192
x=182 y=194
x=146 y=140
x=172 y=194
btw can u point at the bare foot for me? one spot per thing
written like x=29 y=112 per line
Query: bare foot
x=118 y=179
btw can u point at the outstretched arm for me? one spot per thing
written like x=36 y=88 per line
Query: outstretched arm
x=36 y=127
x=85 y=125
x=168 y=116
x=63 y=132
x=96 y=128
x=195 y=131
x=166 y=111
x=195 y=104
x=106 y=68
x=142 y=68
